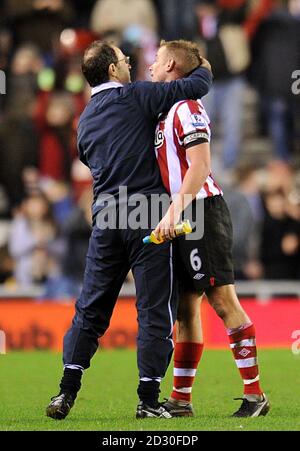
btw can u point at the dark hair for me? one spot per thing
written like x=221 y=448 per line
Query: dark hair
x=96 y=61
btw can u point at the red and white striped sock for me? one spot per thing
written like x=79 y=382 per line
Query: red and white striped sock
x=243 y=345
x=186 y=359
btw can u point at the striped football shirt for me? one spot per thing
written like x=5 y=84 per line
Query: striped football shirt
x=186 y=125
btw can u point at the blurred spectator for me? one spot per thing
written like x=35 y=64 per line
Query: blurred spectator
x=259 y=9
x=243 y=226
x=76 y=232
x=18 y=135
x=6 y=262
x=248 y=180
x=68 y=74
x=6 y=265
x=5 y=49
x=82 y=9
x=22 y=80
x=225 y=44
x=4 y=204
x=57 y=138
x=276 y=55
x=177 y=19
x=61 y=199
x=248 y=184
x=117 y=15
x=38 y=21
x=293 y=203
x=18 y=150
x=74 y=237
x=5 y=46
x=31 y=181
x=32 y=241
x=81 y=178
x=279 y=176
x=280 y=239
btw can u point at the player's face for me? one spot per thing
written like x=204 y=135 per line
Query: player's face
x=123 y=67
x=159 y=69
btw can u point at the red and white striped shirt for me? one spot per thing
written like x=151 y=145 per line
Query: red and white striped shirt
x=186 y=125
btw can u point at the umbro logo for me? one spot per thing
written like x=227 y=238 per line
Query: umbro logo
x=199 y=276
x=244 y=352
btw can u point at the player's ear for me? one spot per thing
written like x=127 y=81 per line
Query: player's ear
x=171 y=65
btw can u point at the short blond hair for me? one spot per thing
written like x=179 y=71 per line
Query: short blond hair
x=185 y=53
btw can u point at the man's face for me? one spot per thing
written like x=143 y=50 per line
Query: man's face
x=122 y=67
x=160 y=69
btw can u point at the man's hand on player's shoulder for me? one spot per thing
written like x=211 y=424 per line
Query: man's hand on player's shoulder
x=206 y=64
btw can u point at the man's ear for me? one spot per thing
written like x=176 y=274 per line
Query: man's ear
x=171 y=65
x=112 y=70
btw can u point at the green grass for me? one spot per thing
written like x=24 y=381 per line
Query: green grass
x=107 y=400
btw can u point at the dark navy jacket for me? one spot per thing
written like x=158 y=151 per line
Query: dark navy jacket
x=116 y=132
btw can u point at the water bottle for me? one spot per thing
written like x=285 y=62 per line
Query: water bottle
x=182 y=228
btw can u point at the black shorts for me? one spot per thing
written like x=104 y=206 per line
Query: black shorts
x=206 y=262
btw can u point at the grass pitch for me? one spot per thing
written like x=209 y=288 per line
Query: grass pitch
x=107 y=400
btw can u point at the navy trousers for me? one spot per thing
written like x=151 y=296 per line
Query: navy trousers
x=111 y=254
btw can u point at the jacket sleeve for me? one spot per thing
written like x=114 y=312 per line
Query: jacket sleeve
x=80 y=150
x=156 y=98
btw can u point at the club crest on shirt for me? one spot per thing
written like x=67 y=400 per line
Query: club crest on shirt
x=159 y=139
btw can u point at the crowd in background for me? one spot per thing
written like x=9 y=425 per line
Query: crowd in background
x=46 y=193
